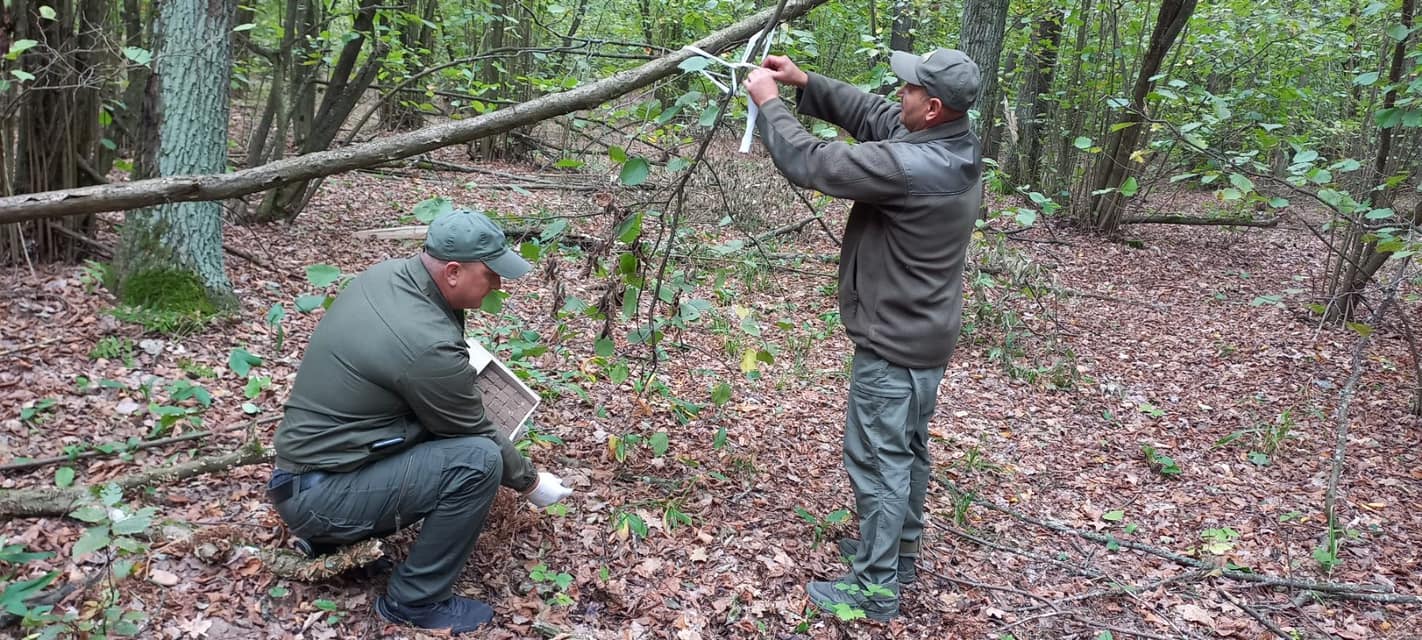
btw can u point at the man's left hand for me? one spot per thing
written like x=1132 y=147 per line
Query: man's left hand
x=760 y=86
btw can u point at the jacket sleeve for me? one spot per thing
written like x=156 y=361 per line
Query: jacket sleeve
x=440 y=389
x=866 y=172
x=863 y=115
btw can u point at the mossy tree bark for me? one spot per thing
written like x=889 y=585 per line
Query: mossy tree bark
x=190 y=84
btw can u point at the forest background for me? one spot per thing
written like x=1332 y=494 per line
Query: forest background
x=1186 y=404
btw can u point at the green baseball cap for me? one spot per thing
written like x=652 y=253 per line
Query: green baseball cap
x=469 y=236
x=947 y=74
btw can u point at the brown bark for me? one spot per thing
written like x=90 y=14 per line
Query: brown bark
x=1113 y=164
x=325 y=163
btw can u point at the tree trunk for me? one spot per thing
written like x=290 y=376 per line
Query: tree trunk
x=234 y=184
x=1041 y=63
x=1104 y=210
x=343 y=92
x=1346 y=293
x=192 y=71
x=402 y=112
x=981 y=38
x=57 y=126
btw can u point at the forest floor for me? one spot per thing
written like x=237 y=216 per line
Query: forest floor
x=1174 y=342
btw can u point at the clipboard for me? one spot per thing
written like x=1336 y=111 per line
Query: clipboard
x=508 y=402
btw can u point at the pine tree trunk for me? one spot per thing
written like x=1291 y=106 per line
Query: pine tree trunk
x=981 y=38
x=191 y=72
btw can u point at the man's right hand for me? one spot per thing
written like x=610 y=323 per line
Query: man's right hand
x=785 y=71
x=548 y=490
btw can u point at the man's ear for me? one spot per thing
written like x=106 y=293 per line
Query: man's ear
x=935 y=109
x=450 y=272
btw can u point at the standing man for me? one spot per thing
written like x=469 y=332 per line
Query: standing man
x=915 y=177
x=385 y=426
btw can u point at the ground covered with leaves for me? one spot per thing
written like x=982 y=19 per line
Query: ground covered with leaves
x=1134 y=440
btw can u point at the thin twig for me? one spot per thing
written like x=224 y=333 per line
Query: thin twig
x=30 y=464
x=1263 y=619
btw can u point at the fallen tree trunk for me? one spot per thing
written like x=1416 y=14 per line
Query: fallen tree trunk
x=35 y=503
x=143 y=193
x=1196 y=220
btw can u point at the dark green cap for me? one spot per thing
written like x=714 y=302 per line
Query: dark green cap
x=947 y=74
x=469 y=236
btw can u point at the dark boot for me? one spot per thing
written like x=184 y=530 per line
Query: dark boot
x=458 y=614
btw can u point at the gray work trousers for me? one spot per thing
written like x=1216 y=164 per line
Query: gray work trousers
x=886 y=455
x=449 y=483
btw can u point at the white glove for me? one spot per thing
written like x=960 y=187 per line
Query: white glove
x=548 y=490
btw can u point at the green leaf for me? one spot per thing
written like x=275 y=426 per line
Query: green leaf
x=634 y=171
x=1026 y=217
x=22 y=76
x=244 y=27
x=493 y=303
x=1114 y=516
x=240 y=361
x=1240 y=182
x=1366 y=79
x=659 y=443
x=1117 y=127
x=326 y=605
x=64 y=477
x=721 y=394
x=111 y=494
x=275 y=315
x=309 y=303
x=1379 y=214
x=1130 y=187
x=694 y=64
x=618 y=373
x=1345 y=165
x=90 y=513
x=837 y=516
x=1278 y=203
x=617 y=154
x=677 y=164
x=322 y=275
x=568 y=163
x=630 y=229
x=250 y=409
x=709 y=116
x=138 y=55
x=94 y=538
x=1398 y=32
x=136 y=523
x=1082 y=143
x=605 y=347
x=1258 y=458
x=20 y=46
x=1260 y=301
x=1105 y=635
x=1388 y=118
x=426 y=211
x=1360 y=328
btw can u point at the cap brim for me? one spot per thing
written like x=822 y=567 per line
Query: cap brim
x=509 y=265
x=905 y=66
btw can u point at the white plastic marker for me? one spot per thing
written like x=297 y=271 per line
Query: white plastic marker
x=745 y=63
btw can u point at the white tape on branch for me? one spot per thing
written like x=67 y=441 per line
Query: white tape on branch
x=745 y=63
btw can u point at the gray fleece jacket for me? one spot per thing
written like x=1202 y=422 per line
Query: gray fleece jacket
x=916 y=196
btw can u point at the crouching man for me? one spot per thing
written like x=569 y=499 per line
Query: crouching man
x=385 y=426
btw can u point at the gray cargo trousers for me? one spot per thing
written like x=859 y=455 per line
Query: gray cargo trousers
x=886 y=455
x=449 y=483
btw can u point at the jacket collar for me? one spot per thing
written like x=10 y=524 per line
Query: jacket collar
x=939 y=132
x=418 y=274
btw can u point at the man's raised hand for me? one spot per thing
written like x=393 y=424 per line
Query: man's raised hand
x=785 y=71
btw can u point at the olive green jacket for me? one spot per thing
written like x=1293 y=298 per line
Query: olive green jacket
x=388 y=360
x=916 y=197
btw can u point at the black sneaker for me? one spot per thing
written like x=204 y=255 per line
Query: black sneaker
x=314 y=550
x=908 y=573
x=458 y=614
